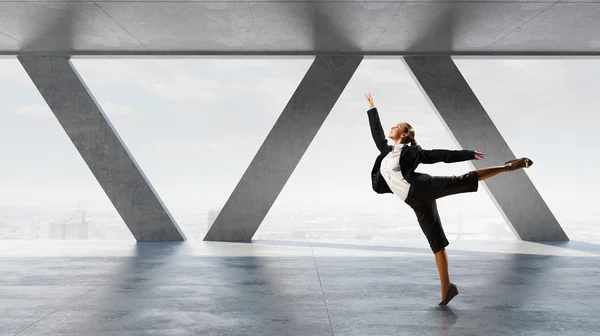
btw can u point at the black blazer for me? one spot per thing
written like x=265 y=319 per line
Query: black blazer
x=410 y=157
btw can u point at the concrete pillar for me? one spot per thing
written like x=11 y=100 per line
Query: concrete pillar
x=465 y=118
x=283 y=148
x=101 y=148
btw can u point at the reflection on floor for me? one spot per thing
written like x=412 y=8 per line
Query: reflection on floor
x=295 y=288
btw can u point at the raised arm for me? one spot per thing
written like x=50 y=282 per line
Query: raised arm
x=375 y=124
x=446 y=156
x=376 y=129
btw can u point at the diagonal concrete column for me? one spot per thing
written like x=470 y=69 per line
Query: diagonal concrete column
x=101 y=148
x=465 y=118
x=283 y=148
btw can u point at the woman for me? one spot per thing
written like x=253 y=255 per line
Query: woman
x=394 y=172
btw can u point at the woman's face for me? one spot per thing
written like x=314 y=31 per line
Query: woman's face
x=398 y=132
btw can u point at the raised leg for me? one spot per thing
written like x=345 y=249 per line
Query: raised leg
x=442 y=186
x=486 y=173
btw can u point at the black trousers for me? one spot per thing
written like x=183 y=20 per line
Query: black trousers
x=424 y=191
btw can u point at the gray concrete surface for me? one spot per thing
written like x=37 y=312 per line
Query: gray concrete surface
x=277 y=26
x=287 y=288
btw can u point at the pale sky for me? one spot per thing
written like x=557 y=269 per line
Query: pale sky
x=193 y=126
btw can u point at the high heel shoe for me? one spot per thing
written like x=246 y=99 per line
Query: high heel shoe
x=528 y=162
x=450 y=294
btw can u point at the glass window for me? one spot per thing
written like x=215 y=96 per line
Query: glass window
x=47 y=189
x=329 y=195
x=547 y=109
x=193 y=125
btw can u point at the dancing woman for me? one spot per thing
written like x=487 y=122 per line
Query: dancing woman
x=394 y=172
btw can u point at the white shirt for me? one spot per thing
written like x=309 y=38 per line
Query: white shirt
x=390 y=170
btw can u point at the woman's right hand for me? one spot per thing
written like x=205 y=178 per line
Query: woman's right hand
x=370 y=100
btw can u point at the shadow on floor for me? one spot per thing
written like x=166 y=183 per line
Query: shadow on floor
x=121 y=297
x=575 y=245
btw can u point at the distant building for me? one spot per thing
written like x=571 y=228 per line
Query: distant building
x=212 y=216
x=75 y=227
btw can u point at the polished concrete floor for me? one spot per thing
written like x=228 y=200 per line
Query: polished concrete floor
x=294 y=288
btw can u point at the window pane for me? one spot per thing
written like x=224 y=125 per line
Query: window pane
x=329 y=195
x=547 y=109
x=47 y=189
x=193 y=125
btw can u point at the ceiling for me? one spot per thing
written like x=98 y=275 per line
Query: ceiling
x=275 y=27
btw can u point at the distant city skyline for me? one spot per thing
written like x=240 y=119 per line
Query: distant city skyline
x=74 y=227
x=182 y=119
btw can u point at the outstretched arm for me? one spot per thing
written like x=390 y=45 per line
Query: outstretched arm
x=448 y=156
x=375 y=124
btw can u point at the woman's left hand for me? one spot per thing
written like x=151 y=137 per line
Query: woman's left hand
x=370 y=100
x=479 y=155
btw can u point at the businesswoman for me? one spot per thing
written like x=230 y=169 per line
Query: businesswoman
x=394 y=172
